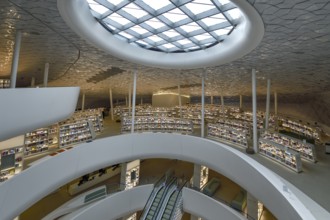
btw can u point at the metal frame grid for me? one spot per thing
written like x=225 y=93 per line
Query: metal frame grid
x=171 y=26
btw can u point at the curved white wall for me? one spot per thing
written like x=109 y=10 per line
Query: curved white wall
x=21 y=191
x=205 y=207
x=24 y=110
x=115 y=206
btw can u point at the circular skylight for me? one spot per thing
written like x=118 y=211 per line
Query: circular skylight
x=170 y=26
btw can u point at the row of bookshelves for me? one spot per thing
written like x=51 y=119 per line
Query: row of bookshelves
x=235 y=135
x=299 y=128
x=81 y=127
x=163 y=124
x=306 y=150
x=281 y=154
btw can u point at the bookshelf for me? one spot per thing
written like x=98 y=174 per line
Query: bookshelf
x=280 y=154
x=298 y=128
x=11 y=162
x=4 y=83
x=75 y=132
x=36 y=142
x=306 y=150
x=162 y=124
x=234 y=135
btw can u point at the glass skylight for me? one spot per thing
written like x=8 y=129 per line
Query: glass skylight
x=162 y=26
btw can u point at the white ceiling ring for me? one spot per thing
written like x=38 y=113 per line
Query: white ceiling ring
x=247 y=36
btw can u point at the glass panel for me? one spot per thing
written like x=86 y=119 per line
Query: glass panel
x=155 y=38
x=128 y=36
x=223 y=31
x=135 y=11
x=197 y=8
x=141 y=42
x=139 y=29
x=157 y=4
x=175 y=15
x=190 y=27
x=184 y=41
x=202 y=37
x=223 y=2
x=97 y=7
x=213 y=21
x=168 y=46
x=171 y=33
x=234 y=13
x=118 y=18
x=115 y=2
x=155 y=23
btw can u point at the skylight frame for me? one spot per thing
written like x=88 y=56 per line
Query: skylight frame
x=187 y=17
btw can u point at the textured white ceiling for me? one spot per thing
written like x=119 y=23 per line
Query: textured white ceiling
x=295 y=53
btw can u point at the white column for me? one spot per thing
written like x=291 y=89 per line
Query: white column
x=180 y=103
x=126 y=100
x=254 y=110
x=222 y=106
x=211 y=99
x=275 y=102
x=134 y=98
x=202 y=110
x=33 y=82
x=83 y=102
x=46 y=70
x=123 y=170
x=111 y=104
x=14 y=64
x=129 y=99
x=141 y=101
x=267 y=104
x=252 y=207
x=240 y=101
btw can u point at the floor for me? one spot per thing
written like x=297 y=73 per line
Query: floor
x=313 y=180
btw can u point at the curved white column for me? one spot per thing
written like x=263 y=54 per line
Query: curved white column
x=24 y=110
x=205 y=207
x=21 y=191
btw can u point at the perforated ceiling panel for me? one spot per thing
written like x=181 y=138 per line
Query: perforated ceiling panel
x=294 y=53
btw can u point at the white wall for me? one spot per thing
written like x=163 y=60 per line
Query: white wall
x=23 y=190
x=24 y=110
x=205 y=207
x=12 y=142
x=115 y=206
x=168 y=100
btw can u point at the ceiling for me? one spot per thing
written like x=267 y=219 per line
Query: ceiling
x=294 y=54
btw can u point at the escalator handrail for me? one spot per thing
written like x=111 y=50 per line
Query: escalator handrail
x=166 y=201
x=170 y=182
x=150 y=201
x=178 y=197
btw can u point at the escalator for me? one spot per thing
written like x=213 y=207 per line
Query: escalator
x=154 y=205
x=166 y=215
x=152 y=209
